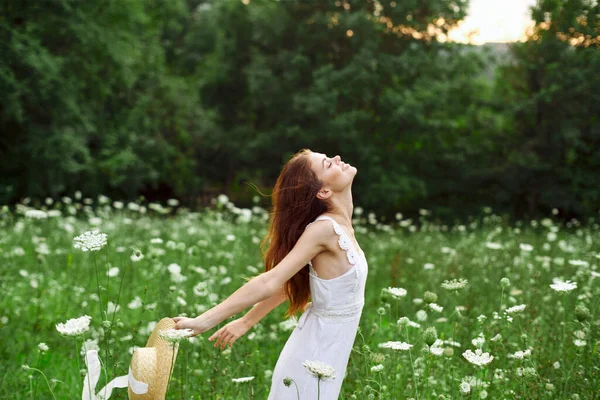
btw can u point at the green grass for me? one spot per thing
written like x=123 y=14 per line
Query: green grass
x=45 y=280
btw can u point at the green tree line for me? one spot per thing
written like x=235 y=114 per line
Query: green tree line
x=187 y=98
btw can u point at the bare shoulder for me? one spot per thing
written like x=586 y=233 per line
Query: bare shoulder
x=315 y=239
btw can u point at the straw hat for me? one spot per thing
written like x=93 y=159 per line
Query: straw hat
x=152 y=364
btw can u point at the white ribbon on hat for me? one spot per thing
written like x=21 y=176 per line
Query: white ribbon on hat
x=91 y=379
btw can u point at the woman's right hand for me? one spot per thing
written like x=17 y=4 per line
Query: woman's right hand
x=230 y=332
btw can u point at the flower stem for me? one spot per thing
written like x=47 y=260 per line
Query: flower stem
x=46 y=379
x=411 y=365
x=319 y=389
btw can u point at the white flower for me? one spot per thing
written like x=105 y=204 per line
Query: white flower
x=561 y=286
x=526 y=247
x=114 y=271
x=396 y=292
x=137 y=256
x=36 y=214
x=465 y=388
x=483 y=394
x=519 y=355
x=395 y=345
x=90 y=240
x=515 y=309
x=241 y=380
x=175 y=335
x=319 y=369
x=478 y=357
x=579 y=263
x=421 y=315
x=436 y=307
x=74 y=326
x=493 y=246
x=428 y=266
x=454 y=284
x=377 y=368
x=478 y=341
x=43 y=347
x=579 y=343
x=556 y=365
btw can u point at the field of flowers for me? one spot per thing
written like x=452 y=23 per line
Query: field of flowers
x=486 y=309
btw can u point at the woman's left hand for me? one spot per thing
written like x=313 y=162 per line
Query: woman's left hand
x=198 y=325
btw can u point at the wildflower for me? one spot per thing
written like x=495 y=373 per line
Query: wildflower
x=519 y=355
x=287 y=381
x=430 y=297
x=579 y=263
x=478 y=341
x=481 y=318
x=175 y=335
x=493 y=246
x=478 y=357
x=454 y=284
x=136 y=256
x=90 y=240
x=582 y=313
x=377 y=368
x=515 y=309
x=525 y=247
x=402 y=322
x=436 y=307
x=74 y=326
x=465 y=388
x=395 y=345
x=483 y=394
x=504 y=283
x=421 y=315
x=319 y=369
x=36 y=214
x=429 y=266
x=496 y=338
x=430 y=335
x=561 y=286
x=579 y=342
x=241 y=380
x=396 y=292
x=43 y=347
x=556 y=365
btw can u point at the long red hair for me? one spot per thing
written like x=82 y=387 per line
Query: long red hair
x=294 y=205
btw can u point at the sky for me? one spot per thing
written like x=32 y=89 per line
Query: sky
x=496 y=20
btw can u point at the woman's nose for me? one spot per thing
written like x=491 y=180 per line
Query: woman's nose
x=338 y=158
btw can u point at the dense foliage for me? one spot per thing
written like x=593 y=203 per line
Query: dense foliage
x=188 y=97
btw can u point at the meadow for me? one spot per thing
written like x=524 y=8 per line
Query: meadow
x=484 y=309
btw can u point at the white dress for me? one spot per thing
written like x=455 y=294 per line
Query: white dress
x=326 y=330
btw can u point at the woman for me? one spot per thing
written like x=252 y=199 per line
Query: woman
x=324 y=263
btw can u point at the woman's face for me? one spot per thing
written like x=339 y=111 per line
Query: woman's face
x=335 y=174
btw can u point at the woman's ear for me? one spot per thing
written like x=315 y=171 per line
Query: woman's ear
x=324 y=194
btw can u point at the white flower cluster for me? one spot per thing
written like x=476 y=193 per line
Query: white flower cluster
x=90 y=240
x=175 y=335
x=377 y=368
x=395 y=345
x=454 y=284
x=319 y=369
x=396 y=292
x=561 y=286
x=478 y=357
x=515 y=309
x=74 y=326
x=519 y=355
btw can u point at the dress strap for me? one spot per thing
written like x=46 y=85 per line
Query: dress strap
x=343 y=241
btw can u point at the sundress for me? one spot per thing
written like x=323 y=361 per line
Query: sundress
x=326 y=330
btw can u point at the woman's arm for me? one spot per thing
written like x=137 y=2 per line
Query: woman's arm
x=261 y=287
x=229 y=333
x=260 y=310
